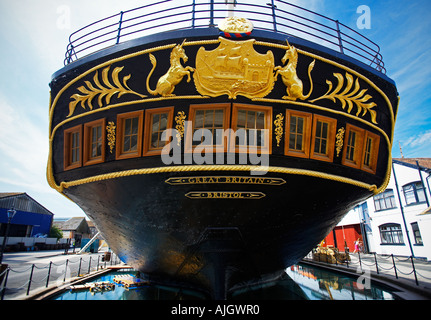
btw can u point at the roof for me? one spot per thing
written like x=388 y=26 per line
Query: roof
x=71 y=224
x=21 y=201
x=424 y=163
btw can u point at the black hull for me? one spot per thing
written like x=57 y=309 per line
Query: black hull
x=212 y=243
x=215 y=226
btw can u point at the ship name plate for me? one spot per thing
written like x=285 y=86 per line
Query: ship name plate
x=225 y=195
x=225 y=180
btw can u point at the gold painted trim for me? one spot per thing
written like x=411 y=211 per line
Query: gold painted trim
x=200 y=168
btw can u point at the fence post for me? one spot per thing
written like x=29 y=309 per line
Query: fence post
x=414 y=270
x=5 y=283
x=339 y=36
x=49 y=274
x=89 y=265
x=65 y=270
x=79 y=268
x=98 y=259
x=119 y=27
x=395 y=268
x=31 y=278
x=375 y=259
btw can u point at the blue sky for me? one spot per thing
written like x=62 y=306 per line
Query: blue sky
x=33 y=39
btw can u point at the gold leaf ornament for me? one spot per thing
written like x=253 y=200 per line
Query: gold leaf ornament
x=106 y=90
x=350 y=96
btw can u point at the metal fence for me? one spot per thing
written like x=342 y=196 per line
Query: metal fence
x=272 y=15
x=400 y=267
x=42 y=275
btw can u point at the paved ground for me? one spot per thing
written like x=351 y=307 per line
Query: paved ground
x=42 y=263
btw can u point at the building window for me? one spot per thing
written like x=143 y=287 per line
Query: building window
x=385 y=200
x=129 y=137
x=323 y=140
x=417 y=233
x=94 y=142
x=252 y=126
x=352 y=154
x=414 y=193
x=371 y=152
x=72 y=148
x=215 y=119
x=391 y=234
x=298 y=129
x=156 y=122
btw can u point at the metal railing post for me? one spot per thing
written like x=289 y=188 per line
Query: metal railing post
x=340 y=42
x=31 y=278
x=119 y=27
x=212 y=14
x=395 y=268
x=89 y=265
x=65 y=270
x=414 y=270
x=49 y=274
x=273 y=6
x=360 y=261
x=375 y=259
x=193 y=13
x=79 y=268
x=5 y=283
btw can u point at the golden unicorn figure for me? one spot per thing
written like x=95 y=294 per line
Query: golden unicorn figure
x=166 y=84
x=294 y=85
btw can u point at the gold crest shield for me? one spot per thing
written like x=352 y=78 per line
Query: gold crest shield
x=234 y=68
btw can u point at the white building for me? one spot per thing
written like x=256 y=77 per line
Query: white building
x=398 y=221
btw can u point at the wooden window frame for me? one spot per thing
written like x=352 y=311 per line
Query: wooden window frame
x=147 y=151
x=359 y=147
x=67 y=165
x=332 y=128
x=87 y=160
x=308 y=118
x=119 y=154
x=374 y=152
x=268 y=125
x=189 y=130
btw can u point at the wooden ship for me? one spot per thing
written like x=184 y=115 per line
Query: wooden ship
x=212 y=151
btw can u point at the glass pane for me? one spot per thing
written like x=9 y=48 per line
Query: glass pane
x=135 y=125
x=251 y=118
x=163 y=121
x=293 y=124
x=260 y=120
x=156 y=121
x=241 y=119
x=292 y=141
x=199 y=119
x=218 y=118
x=134 y=143
x=127 y=126
x=324 y=130
x=298 y=145
x=126 y=144
x=300 y=125
x=209 y=118
x=154 y=140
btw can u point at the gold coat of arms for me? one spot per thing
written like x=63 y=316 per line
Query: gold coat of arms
x=234 y=68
